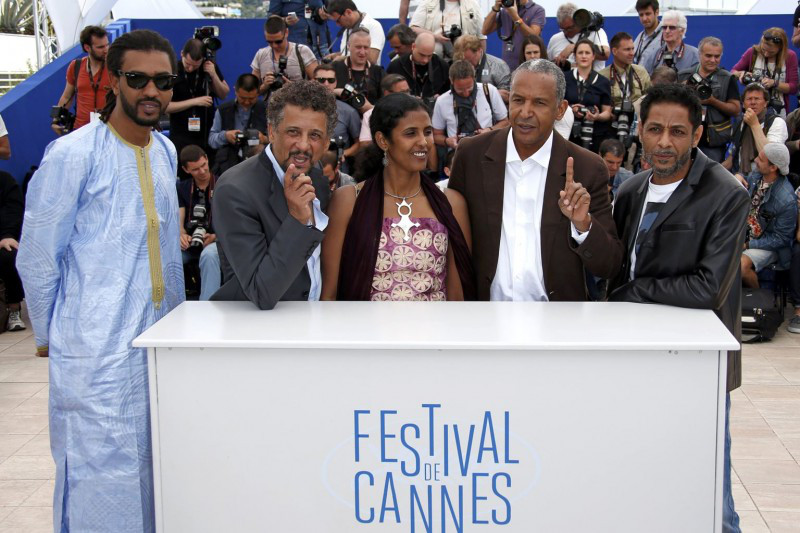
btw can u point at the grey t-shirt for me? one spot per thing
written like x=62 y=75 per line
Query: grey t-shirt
x=264 y=61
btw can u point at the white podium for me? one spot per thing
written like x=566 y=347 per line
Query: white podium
x=434 y=417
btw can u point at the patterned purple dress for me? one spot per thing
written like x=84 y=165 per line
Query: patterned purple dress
x=413 y=270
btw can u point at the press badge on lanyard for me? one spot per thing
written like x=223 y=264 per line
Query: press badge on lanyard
x=509 y=46
x=194 y=123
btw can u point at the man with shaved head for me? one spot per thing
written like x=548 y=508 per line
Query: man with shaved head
x=425 y=71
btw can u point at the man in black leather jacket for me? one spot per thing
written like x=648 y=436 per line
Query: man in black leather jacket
x=683 y=225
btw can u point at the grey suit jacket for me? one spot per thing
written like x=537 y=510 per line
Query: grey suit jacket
x=263 y=249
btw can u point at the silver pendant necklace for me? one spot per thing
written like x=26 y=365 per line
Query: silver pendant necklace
x=405 y=223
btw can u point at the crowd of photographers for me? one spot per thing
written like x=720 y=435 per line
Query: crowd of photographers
x=438 y=53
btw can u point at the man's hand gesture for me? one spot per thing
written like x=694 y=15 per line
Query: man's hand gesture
x=574 y=201
x=299 y=192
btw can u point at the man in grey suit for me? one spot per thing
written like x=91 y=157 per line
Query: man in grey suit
x=269 y=209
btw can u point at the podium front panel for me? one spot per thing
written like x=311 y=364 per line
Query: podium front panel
x=393 y=440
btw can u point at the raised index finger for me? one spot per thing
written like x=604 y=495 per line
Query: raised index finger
x=570 y=179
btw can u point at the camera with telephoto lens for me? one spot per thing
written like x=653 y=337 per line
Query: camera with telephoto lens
x=576 y=125
x=453 y=33
x=508 y=3
x=198 y=223
x=587 y=21
x=583 y=129
x=62 y=117
x=209 y=36
x=248 y=137
x=353 y=97
x=701 y=86
x=623 y=117
x=748 y=78
x=278 y=82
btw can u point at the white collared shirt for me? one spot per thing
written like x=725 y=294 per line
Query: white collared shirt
x=320 y=222
x=519 y=275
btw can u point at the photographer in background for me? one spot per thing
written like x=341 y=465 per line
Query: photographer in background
x=488 y=68
x=330 y=169
x=589 y=95
x=191 y=109
x=306 y=21
x=629 y=82
x=773 y=65
x=357 y=72
x=425 y=71
x=672 y=50
x=719 y=94
x=758 y=126
x=651 y=34
x=391 y=83
x=562 y=45
x=447 y=20
x=348 y=121
x=87 y=81
x=347 y=16
x=400 y=37
x=468 y=109
x=198 y=239
x=281 y=62
x=613 y=152
x=514 y=20
x=238 y=124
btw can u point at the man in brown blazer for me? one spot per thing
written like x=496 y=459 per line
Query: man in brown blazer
x=536 y=231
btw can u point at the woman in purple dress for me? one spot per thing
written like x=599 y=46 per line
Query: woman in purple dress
x=396 y=236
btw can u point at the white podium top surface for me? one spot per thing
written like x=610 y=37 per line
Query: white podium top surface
x=440 y=325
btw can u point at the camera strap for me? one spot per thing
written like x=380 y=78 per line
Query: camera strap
x=460 y=15
x=361 y=85
x=583 y=85
x=677 y=54
x=209 y=194
x=419 y=85
x=640 y=50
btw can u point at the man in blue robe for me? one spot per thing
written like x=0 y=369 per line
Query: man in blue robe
x=100 y=261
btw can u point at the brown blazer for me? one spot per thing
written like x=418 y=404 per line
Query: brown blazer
x=479 y=175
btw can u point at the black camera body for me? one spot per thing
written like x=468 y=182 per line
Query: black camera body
x=353 y=97
x=198 y=223
x=454 y=33
x=701 y=86
x=62 y=117
x=337 y=145
x=508 y=3
x=583 y=129
x=248 y=137
x=278 y=82
x=748 y=78
x=669 y=60
x=209 y=36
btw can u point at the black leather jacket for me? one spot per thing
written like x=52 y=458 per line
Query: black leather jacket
x=692 y=252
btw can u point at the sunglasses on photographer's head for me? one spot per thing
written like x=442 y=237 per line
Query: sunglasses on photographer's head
x=137 y=80
x=774 y=39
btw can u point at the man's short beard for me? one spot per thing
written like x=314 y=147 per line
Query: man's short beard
x=130 y=111
x=98 y=59
x=681 y=160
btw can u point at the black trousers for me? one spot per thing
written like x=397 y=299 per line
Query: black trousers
x=9 y=275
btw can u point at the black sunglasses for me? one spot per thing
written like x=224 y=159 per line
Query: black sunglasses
x=137 y=80
x=324 y=80
x=276 y=41
x=772 y=38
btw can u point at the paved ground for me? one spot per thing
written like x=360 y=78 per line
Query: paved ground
x=765 y=424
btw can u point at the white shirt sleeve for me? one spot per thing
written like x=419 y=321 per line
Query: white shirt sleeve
x=778 y=133
x=419 y=16
x=377 y=37
x=554 y=46
x=498 y=106
x=602 y=38
x=439 y=121
x=564 y=126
